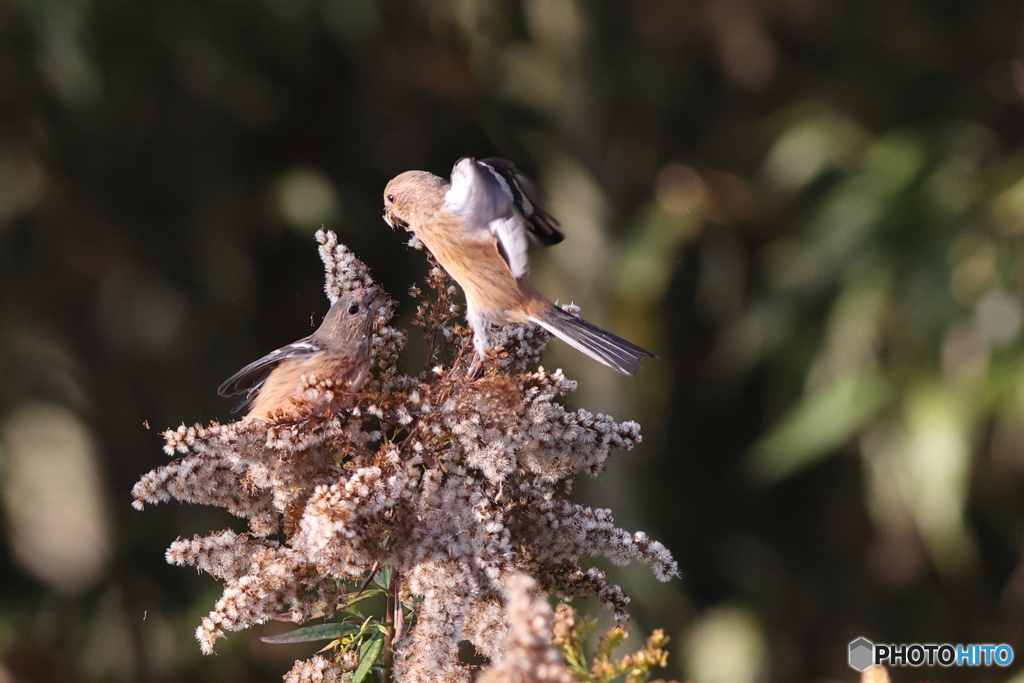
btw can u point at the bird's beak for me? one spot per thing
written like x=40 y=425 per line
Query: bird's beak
x=394 y=221
x=371 y=297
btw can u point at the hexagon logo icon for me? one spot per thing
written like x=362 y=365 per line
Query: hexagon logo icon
x=862 y=653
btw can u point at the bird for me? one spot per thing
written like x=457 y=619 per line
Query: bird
x=339 y=351
x=478 y=226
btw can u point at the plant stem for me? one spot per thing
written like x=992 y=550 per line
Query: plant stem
x=389 y=619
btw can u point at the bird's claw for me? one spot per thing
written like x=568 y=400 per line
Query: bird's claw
x=476 y=368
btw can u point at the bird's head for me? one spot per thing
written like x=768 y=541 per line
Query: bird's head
x=351 y=317
x=412 y=196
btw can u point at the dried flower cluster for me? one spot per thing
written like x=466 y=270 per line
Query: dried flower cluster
x=530 y=656
x=458 y=484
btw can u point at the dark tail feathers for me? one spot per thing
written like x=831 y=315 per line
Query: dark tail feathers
x=602 y=346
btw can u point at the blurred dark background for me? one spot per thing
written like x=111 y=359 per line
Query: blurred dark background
x=811 y=210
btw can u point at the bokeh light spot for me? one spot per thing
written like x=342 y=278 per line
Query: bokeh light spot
x=52 y=496
x=307 y=199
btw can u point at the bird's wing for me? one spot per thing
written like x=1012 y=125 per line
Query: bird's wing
x=527 y=196
x=251 y=377
x=512 y=243
x=484 y=200
x=477 y=195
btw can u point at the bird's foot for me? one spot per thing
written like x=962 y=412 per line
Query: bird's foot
x=476 y=368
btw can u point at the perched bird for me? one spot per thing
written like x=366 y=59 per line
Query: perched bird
x=339 y=351
x=477 y=227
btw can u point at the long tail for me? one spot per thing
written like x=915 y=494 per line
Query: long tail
x=602 y=346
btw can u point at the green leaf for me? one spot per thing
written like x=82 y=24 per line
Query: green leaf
x=819 y=424
x=383 y=577
x=350 y=606
x=309 y=633
x=367 y=657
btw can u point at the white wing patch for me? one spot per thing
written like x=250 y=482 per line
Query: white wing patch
x=459 y=198
x=512 y=236
x=477 y=195
x=480 y=196
x=299 y=348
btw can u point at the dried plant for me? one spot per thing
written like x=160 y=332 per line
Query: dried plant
x=530 y=656
x=439 y=491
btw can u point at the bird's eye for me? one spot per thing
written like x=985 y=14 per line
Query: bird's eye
x=353 y=309
x=391 y=198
